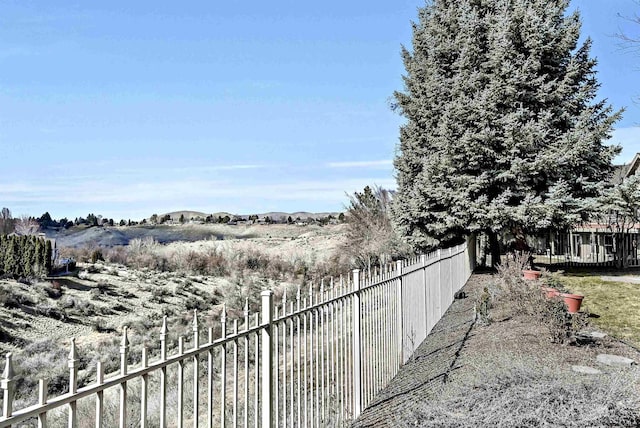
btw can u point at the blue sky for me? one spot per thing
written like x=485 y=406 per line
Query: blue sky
x=126 y=109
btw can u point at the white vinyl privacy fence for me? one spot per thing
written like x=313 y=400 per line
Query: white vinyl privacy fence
x=316 y=360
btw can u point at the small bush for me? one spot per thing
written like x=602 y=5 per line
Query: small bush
x=67 y=302
x=55 y=290
x=527 y=298
x=482 y=307
x=103 y=287
x=51 y=312
x=118 y=255
x=100 y=326
x=196 y=303
x=93 y=269
x=42 y=359
x=159 y=294
x=12 y=297
x=96 y=255
x=94 y=294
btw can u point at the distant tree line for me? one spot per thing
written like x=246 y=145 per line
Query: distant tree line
x=30 y=225
x=25 y=256
x=252 y=219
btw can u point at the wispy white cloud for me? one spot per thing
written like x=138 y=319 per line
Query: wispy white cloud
x=386 y=163
x=209 y=195
x=119 y=171
x=222 y=167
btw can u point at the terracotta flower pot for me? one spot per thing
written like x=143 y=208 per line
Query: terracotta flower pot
x=573 y=301
x=531 y=274
x=550 y=292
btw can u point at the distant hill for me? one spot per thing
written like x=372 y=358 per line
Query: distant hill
x=97 y=236
x=112 y=236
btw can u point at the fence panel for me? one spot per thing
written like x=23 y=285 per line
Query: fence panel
x=414 y=315
x=432 y=276
x=315 y=359
x=379 y=337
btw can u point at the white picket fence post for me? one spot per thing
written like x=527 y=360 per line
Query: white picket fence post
x=73 y=383
x=100 y=394
x=357 y=346
x=124 y=357
x=266 y=357
x=452 y=273
x=423 y=260
x=8 y=387
x=399 y=313
x=42 y=400
x=163 y=373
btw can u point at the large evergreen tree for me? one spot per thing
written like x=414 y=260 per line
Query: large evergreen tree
x=503 y=130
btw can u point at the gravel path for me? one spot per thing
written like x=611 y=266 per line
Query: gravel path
x=428 y=369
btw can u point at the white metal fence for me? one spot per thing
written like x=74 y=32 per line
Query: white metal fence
x=316 y=360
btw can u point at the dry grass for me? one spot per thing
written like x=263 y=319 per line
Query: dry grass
x=521 y=391
x=615 y=306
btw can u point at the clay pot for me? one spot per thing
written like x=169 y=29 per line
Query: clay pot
x=550 y=292
x=573 y=301
x=531 y=274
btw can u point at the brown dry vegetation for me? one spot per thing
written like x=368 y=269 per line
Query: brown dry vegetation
x=139 y=284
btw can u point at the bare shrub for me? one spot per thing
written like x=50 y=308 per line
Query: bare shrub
x=149 y=260
x=82 y=254
x=13 y=297
x=50 y=311
x=236 y=295
x=143 y=245
x=196 y=303
x=523 y=297
x=159 y=294
x=26 y=225
x=118 y=254
x=334 y=266
x=42 y=359
x=96 y=255
x=209 y=262
x=371 y=238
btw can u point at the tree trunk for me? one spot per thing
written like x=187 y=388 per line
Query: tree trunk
x=482 y=247
x=618 y=253
x=625 y=251
x=494 y=248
